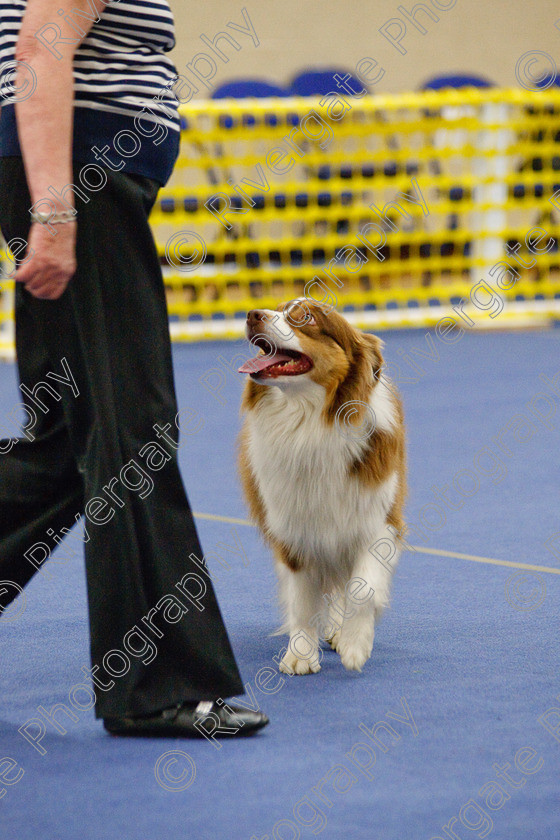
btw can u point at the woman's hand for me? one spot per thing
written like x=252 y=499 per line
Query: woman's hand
x=52 y=264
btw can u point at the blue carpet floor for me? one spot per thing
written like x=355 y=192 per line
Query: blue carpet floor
x=464 y=670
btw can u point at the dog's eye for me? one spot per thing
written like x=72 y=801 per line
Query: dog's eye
x=306 y=319
x=298 y=315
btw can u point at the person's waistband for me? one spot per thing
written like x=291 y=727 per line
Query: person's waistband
x=114 y=141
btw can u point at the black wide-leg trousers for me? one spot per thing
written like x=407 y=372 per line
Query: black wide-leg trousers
x=111 y=328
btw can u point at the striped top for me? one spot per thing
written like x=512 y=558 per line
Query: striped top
x=121 y=73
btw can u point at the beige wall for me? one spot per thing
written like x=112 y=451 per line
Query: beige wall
x=485 y=37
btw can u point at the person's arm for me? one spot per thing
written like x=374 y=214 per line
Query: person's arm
x=45 y=123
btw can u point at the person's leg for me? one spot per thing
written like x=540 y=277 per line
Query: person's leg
x=111 y=326
x=40 y=486
x=41 y=491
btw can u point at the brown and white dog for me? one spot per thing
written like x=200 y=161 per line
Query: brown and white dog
x=322 y=462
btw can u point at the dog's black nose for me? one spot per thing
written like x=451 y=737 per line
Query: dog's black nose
x=255 y=316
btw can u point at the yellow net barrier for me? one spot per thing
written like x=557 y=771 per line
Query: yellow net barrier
x=395 y=209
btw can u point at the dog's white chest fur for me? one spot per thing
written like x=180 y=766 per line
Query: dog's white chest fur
x=302 y=467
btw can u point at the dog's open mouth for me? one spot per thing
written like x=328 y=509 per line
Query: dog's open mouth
x=281 y=362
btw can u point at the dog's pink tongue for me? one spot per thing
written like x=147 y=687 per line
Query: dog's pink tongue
x=262 y=362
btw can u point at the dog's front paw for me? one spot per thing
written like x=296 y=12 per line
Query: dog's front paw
x=291 y=664
x=355 y=655
x=334 y=640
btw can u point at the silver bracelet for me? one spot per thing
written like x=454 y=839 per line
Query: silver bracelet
x=60 y=218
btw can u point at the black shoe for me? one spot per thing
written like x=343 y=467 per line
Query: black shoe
x=191 y=720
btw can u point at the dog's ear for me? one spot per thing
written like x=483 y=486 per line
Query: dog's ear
x=374 y=345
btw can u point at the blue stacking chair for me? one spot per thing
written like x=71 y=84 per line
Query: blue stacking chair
x=321 y=82
x=245 y=88
x=440 y=82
